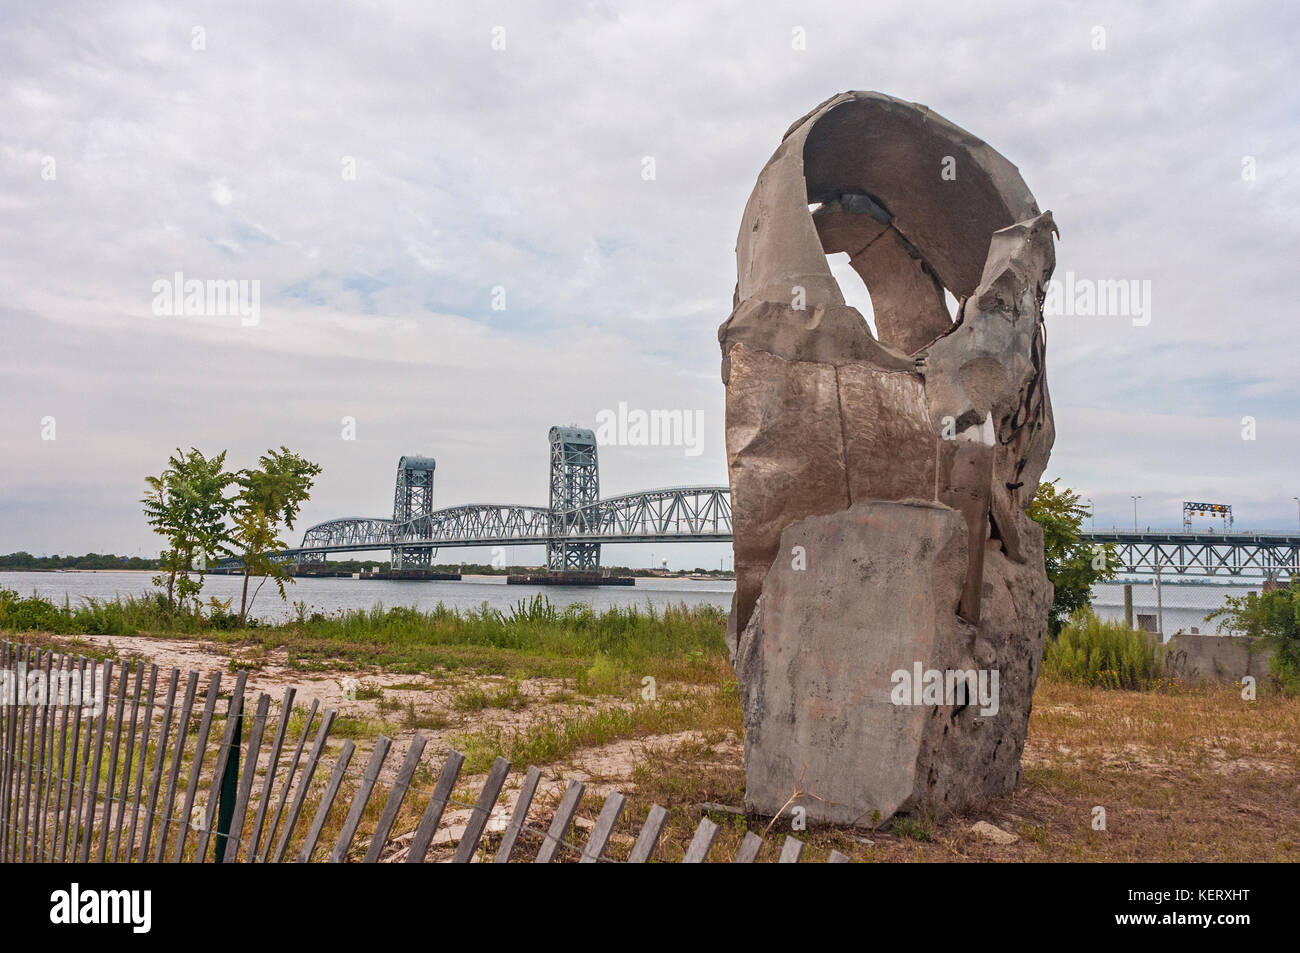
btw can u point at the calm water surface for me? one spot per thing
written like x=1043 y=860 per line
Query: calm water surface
x=332 y=595
x=1184 y=606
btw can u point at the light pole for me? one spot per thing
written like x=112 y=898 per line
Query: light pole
x=1297 y=504
x=1135 y=512
x=1092 y=516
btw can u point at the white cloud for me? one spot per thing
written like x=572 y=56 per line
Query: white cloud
x=220 y=192
x=521 y=168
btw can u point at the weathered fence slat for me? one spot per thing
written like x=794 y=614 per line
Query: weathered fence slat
x=38 y=771
x=360 y=799
x=560 y=823
x=78 y=830
x=433 y=810
x=50 y=813
x=272 y=765
x=326 y=802
x=478 y=817
x=13 y=755
x=160 y=755
x=649 y=836
x=92 y=792
x=517 y=818
x=174 y=772
x=196 y=769
x=231 y=852
x=749 y=848
x=110 y=780
x=69 y=778
x=68 y=766
x=143 y=765
x=33 y=761
x=7 y=713
x=127 y=761
x=309 y=772
x=6 y=716
x=791 y=850
x=288 y=781
x=34 y=766
x=14 y=801
x=48 y=759
x=233 y=714
x=701 y=842
x=11 y=763
x=605 y=822
x=395 y=797
x=23 y=755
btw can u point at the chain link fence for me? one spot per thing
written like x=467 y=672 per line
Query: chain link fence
x=1172 y=606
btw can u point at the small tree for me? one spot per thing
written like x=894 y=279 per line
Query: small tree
x=269 y=497
x=187 y=505
x=1073 y=566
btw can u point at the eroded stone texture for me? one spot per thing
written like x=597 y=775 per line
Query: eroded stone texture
x=902 y=466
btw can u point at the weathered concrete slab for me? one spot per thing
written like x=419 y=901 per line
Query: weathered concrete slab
x=1217 y=658
x=878 y=593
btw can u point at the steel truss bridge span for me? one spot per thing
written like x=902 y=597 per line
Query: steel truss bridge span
x=1257 y=555
x=577 y=521
x=685 y=514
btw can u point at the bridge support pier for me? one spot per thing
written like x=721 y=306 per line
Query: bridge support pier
x=412 y=509
x=575 y=485
x=568 y=579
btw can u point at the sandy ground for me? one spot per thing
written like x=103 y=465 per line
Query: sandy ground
x=603 y=769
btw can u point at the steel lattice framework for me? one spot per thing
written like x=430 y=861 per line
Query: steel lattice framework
x=698 y=514
x=687 y=514
x=577 y=522
x=572 y=527
x=1206 y=554
x=412 y=509
x=575 y=487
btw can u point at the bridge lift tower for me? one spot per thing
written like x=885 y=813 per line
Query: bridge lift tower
x=412 y=508
x=575 y=484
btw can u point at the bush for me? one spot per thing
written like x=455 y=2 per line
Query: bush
x=1104 y=654
x=122 y=615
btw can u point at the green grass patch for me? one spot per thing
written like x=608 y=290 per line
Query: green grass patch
x=609 y=651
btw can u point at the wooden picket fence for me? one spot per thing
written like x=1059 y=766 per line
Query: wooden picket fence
x=78 y=785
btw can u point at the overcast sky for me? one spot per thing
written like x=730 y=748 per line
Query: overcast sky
x=139 y=140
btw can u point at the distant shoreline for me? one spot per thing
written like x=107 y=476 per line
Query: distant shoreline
x=147 y=572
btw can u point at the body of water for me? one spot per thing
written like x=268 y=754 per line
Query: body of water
x=1184 y=606
x=332 y=595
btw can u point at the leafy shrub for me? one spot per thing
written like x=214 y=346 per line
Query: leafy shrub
x=1106 y=654
x=1273 y=617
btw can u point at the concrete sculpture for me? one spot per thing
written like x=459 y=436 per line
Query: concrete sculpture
x=891 y=599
